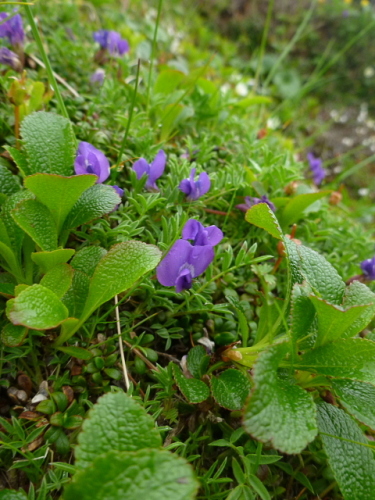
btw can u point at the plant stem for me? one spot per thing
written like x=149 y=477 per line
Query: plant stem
x=50 y=74
x=153 y=49
x=263 y=44
x=126 y=378
x=130 y=114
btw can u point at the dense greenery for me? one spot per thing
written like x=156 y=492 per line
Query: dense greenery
x=142 y=352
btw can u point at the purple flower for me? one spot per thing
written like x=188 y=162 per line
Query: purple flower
x=316 y=168
x=111 y=41
x=201 y=236
x=195 y=189
x=98 y=76
x=368 y=268
x=12 y=28
x=250 y=202
x=9 y=58
x=153 y=170
x=182 y=263
x=90 y=160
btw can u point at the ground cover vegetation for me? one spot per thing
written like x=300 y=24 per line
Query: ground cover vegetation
x=186 y=287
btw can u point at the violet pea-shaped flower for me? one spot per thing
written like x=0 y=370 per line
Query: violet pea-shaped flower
x=316 y=167
x=251 y=201
x=90 y=160
x=98 y=76
x=368 y=268
x=152 y=170
x=200 y=235
x=9 y=58
x=182 y=263
x=195 y=189
x=12 y=28
x=111 y=41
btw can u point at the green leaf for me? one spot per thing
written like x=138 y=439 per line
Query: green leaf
x=57 y=193
x=231 y=389
x=86 y=259
x=19 y=158
x=96 y=201
x=278 y=411
x=118 y=270
x=295 y=208
x=357 y=294
x=47 y=260
x=307 y=265
x=15 y=233
x=150 y=474
x=198 y=361
x=58 y=279
x=36 y=220
x=358 y=398
x=13 y=335
x=7 y=289
x=253 y=100
x=345 y=358
x=76 y=295
x=302 y=313
x=9 y=183
x=168 y=80
x=241 y=492
x=77 y=352
x=36 y=307
x=12 y=495
x=262 y=216
x=49 y=143
x=11 y=261
x=195 y=391
x=352 y=462
x=118 y=423
x=334 y=321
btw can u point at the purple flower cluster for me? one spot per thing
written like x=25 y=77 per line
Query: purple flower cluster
x=250 y=202
x=195 y=189
x=185 y=261
x=111 y=41
x=368 y=268
x=90 y=160
x=12 y=28
x=318 y=172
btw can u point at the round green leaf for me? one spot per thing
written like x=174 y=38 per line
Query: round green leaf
x=195 y=391
x=36 y=307
x=13 y=335
x=48 y=260
x=278 y=411
x=230 y=389
x=117 y=423
x=36 y=220
x=150 y=474
x=12 y=495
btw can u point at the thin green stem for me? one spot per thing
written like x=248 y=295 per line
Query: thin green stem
x=153 y=50
x=263 y=44
x=291 y=44
x=38 y=373
x=51 y=76
x=130 y=114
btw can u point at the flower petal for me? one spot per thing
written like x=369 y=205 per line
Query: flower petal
x=169 y=268
x=200 y=258
x=204 y=183
x=214 y=235
x=191 y=229
x=185 y=186
x=184 y=280
x=157 y=166
x=141 y=167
